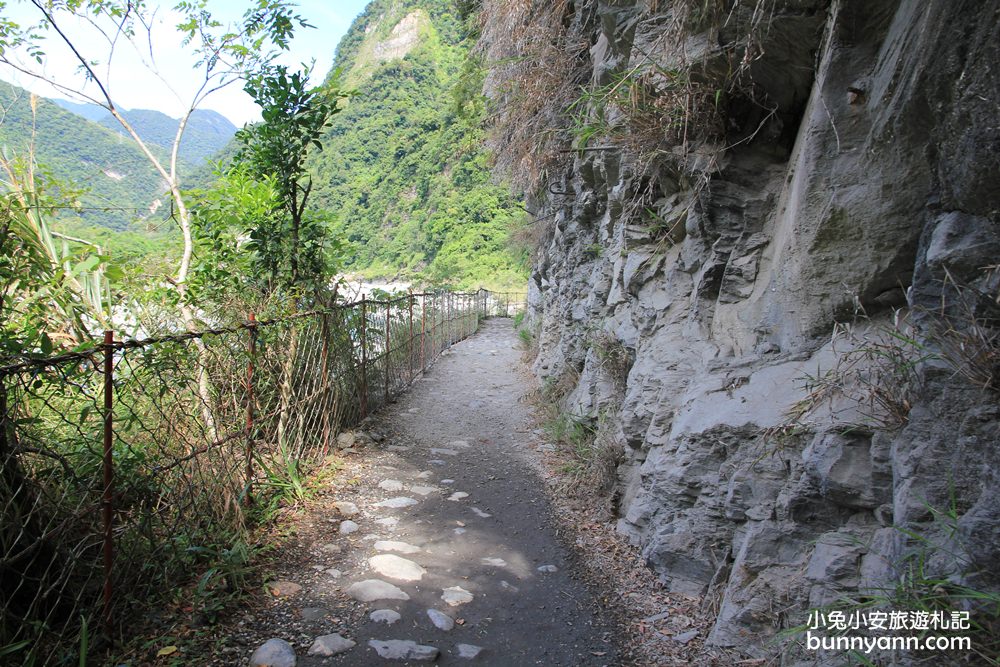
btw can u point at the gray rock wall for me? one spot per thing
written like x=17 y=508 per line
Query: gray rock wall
x=772 y=452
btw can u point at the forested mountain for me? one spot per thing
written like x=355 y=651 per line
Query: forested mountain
x=101 y=172
x=402 y=168
x=207 y=131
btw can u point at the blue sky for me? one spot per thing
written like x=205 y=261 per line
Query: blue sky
x=133 y=86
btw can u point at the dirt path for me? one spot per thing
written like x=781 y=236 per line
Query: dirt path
x=472 y=540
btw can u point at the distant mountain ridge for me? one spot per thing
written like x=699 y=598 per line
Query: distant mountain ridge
x=104 y=176
x=207 y=131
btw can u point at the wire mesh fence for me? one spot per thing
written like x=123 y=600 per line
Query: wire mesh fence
x=127 y=468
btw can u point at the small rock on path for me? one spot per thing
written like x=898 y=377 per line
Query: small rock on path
x=441 y=620
x=395 y=567
x=371 y=590
x=397 y=503
x=274 y=653
x=399 y=649
x=387 y=616
x=328 y=645
x=456 y=595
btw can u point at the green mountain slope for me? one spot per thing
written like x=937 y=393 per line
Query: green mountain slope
x=207 y=131
x=401 y=168
x=101 y=171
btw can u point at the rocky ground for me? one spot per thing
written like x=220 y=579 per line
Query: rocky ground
x=452 y=533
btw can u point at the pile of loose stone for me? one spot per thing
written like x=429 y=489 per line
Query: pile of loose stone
x=395 y=572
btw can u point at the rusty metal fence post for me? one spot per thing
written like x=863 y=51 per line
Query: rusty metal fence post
x=107 y=495
x=388 y=350
x=364 y=361
x=251 y=357
x=423 y=331
x=325 y=374
x=409 y=341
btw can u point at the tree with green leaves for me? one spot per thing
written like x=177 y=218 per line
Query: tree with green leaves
x=96 y=33
x=294 y=118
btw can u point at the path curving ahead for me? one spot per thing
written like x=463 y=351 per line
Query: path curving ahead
x=453 y=554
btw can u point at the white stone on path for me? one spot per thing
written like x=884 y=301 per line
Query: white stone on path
x=273 y=653
x=458 y=444
x=481 y=514
x=437 y=462
x=348 y=527
x=391 y=485
x=388 y=521
x=334 y=572
x=387 y=616
x=458 y=495
x=507 y=586
x=370 y=590
x=423 y=490
x=441 y=620
x=456 y=595
x=399 y=649
x=459 y=531
x=438 y=451
x=396 y=503
x=283 y=589
x=346 y=508
x=394 y=567
x=399 y=547
x=548 y=568
x=426 y=474
x=328 y=645
x=685 y=637
x=495 y=562
x=468 y=651
x=447 y=481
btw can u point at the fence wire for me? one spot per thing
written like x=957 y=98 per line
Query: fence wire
x=205 y=429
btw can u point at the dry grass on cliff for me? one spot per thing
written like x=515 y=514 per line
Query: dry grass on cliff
x=533 y=65
x=665 y=110
x=966 y=329
x=871 y=386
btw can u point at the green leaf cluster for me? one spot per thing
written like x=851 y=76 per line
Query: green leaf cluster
x=294 y=118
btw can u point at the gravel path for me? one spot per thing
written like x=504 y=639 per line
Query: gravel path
x=452 y=553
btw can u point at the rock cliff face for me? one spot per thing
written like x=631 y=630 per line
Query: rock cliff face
x=801 y=384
